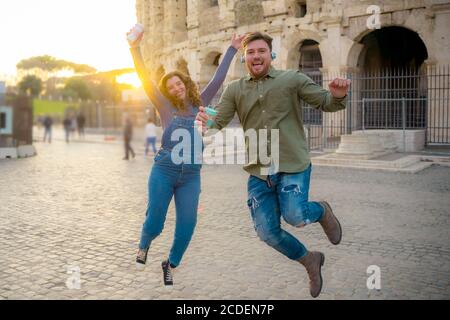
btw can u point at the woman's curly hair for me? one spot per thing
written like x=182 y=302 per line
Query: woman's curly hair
x=192 y=92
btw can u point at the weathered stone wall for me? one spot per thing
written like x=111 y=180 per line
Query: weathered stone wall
x=197 y=30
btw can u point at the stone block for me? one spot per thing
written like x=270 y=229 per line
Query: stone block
x=361 y=146
x=387 y=139
x=8 y=153
x=412 y=141
x=26 y=151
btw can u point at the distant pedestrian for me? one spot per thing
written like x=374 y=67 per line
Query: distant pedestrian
x=127 y=136
x=48 y=122
x=67 y=123
x=73 y=124
x=81 y=120
x=150 y=136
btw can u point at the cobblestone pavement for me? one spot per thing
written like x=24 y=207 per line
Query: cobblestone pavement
x=80 y=206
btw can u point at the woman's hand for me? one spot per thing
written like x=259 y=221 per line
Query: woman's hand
x=201 y=119
x=236 y=41
x=136 y=42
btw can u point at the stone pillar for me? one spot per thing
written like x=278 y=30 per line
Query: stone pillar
x=175 y=30
x=276 y=33
x=140 y=11
x=437 y=102
x=437 y=99
x=331 y=49
x=227 y=14
x=192 y=20
x=151 y=15
x=335 y=50
x=274 y=8
x=193 y=30
x=440 y=10
x=154 y=25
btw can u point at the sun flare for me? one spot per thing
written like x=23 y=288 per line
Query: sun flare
x=130 y=78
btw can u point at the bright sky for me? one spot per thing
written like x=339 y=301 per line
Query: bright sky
x=82 y=31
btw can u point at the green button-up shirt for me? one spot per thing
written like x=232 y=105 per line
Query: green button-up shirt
x=274 y=102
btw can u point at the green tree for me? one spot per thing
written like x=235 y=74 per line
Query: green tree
x=76 y=88
x=103 y=85
x=45 y=63
x=50 y=64
x=30 y=85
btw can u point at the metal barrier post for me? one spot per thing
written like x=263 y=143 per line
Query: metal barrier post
x=404 y=123
x=363 y=107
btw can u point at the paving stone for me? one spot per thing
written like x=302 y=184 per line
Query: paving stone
x=86 y=208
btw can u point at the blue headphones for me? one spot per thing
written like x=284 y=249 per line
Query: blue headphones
x=272 y=54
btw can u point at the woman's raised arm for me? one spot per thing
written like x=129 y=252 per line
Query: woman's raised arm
x=216 y=82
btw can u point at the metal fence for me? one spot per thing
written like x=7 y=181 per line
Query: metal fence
x=401 y=113
x=438 y=105
x=386 y=99
x=110 y=116
x=323 y=129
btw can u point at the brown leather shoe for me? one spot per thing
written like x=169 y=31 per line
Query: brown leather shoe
x=313 y=262
x=330 y=224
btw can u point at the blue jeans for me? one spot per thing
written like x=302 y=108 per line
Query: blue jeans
x=48 y=133
x=67 y=134
x=282 y=195
x=148 y=142
x=169 y=180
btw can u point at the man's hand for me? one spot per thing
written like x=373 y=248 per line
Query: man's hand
x=339 y=87
x=236 y=41
x=136 y=42
x=201 y=119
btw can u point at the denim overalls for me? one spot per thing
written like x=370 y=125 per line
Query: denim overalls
x=172 y=177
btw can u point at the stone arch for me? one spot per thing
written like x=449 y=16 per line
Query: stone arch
x=209 y=60
x=391 y=47
x=182 y=65
x=292 y=48
x=353 y=55
x=412 y=25
x=310 y=60
x=391 y=59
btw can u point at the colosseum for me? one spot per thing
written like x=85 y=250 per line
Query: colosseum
x=392 y=49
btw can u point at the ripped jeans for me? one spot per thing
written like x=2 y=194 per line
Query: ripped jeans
x=286 y=195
